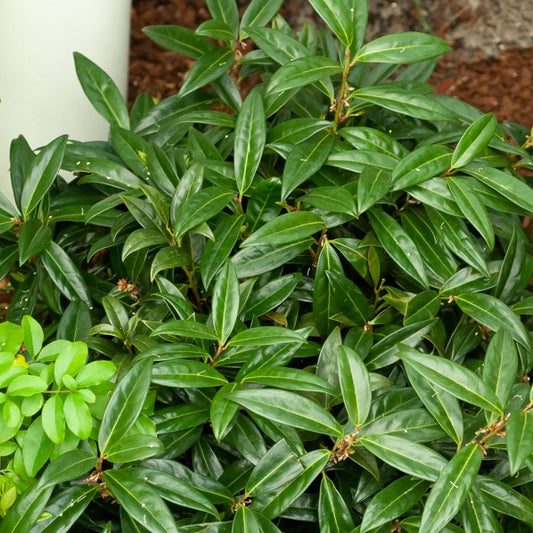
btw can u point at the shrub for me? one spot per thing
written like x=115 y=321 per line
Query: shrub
x=317 y=293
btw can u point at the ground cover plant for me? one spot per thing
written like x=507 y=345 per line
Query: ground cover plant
x=307 y=302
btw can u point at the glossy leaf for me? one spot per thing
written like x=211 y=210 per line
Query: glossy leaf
x=472 y=208
x=373 y=184
x=134 y=448
x=259 y=13
x=185 y=328
x=184 y=374
x=34 y=237
x=250 y=137
x=354 y=383
x=101 y=91
x=26 y=510
x=288 y=408
x=393 y=501
x=77 y=415
x=409 y=457
x=338 y=19
x=53 y=418
x=225 y=308
x=223 y=411
x=42 y=174
x=179 y=39
x=333 y=513
x=407 y=47
x=208 y=67
x=302 y=71
x=519 y=438
x=350 y=300
x=399 y=245
x=493 y=314
x=140 y=500
x=285 y=229
x=68 y=466
x=451 y=488
x=125 y=404
x=264 y=336
x=474 y=140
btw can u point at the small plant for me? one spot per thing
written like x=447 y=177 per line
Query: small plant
x=316 y=292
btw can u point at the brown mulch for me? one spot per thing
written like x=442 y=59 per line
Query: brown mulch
x=501 y=85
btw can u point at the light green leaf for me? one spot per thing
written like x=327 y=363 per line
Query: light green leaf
x=54 y=419
x=288 y=408
x=77 y=415
x=33 y=335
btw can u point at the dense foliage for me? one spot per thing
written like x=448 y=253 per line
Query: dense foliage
x=301 y=308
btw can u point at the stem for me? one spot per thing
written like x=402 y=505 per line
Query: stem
x=341 y=99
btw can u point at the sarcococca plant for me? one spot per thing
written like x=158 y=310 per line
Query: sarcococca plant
x=312 y=276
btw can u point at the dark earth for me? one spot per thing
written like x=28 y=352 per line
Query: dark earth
x=490 y=67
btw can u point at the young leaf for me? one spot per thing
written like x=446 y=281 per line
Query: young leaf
x=101 y=91
x=225 y=306
x=393 y=501
x=208 y=67
x=288 y=408
x=477 y=136
x=355 y=385
x=250 y=137
x=125 y=404
x=287 y=228
x=140 y=500
x=406 y=47
x=398 y=245
x=77 y=415
x=333 y=513
x=42 y=174
x=453 y=378
x=451 y=488
x=519 y=439
x=54 y=419
x=493 y=314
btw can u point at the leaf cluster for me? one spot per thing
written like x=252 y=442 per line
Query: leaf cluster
x=315 y=294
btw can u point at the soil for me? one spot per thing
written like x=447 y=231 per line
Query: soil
x=490 y=67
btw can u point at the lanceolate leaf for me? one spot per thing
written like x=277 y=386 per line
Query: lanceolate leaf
x=407 y=47
x=453 y=378
x=140 y=500
x=302 y=71
x=451 y=488
x=333 y=513
x=186 y=374
x=372 y=186
x=287 y=228
x=519 y=438
x=186 y=328
x=399 y=245
x=102 y=91
x=406 y=456
x=259 y=13
x=210 y=66
x=392 y=501
x=264 y=336
x=178 y=39
x=354 y=384
x=42 y=173
x=338 y=19
x=288 y=408
x=493 y=314
x=225 y=302
x=250 y=136
x=125 y=404
x=474 y=140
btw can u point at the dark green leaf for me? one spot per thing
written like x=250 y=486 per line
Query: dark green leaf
x=125 y=404
x=185 y=328
x=451 y=488
x=42 y=174
x=224 y=10
x=493 y=314
x=406 y=47
x=140 y=500
x=250 y=137
x=372 y=186
x=34 y=237
x=393 y=501
x=423 y=306
x=264 y=336
x=337 y=17
x=26 y=510
x=399 y=245
x=223 y=411
x=333 y=513
x=350 y=300
x=131 y=448
x=519 y=439
x=179 y=39
x=101 y=91
x=453 y=378
x=259 y=13
x=68 y=466
x=225 y=306
x=288 y=408
x=477 y=136
x=186 y=374
x=208 y=67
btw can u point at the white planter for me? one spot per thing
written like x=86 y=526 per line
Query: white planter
x=40 y=96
